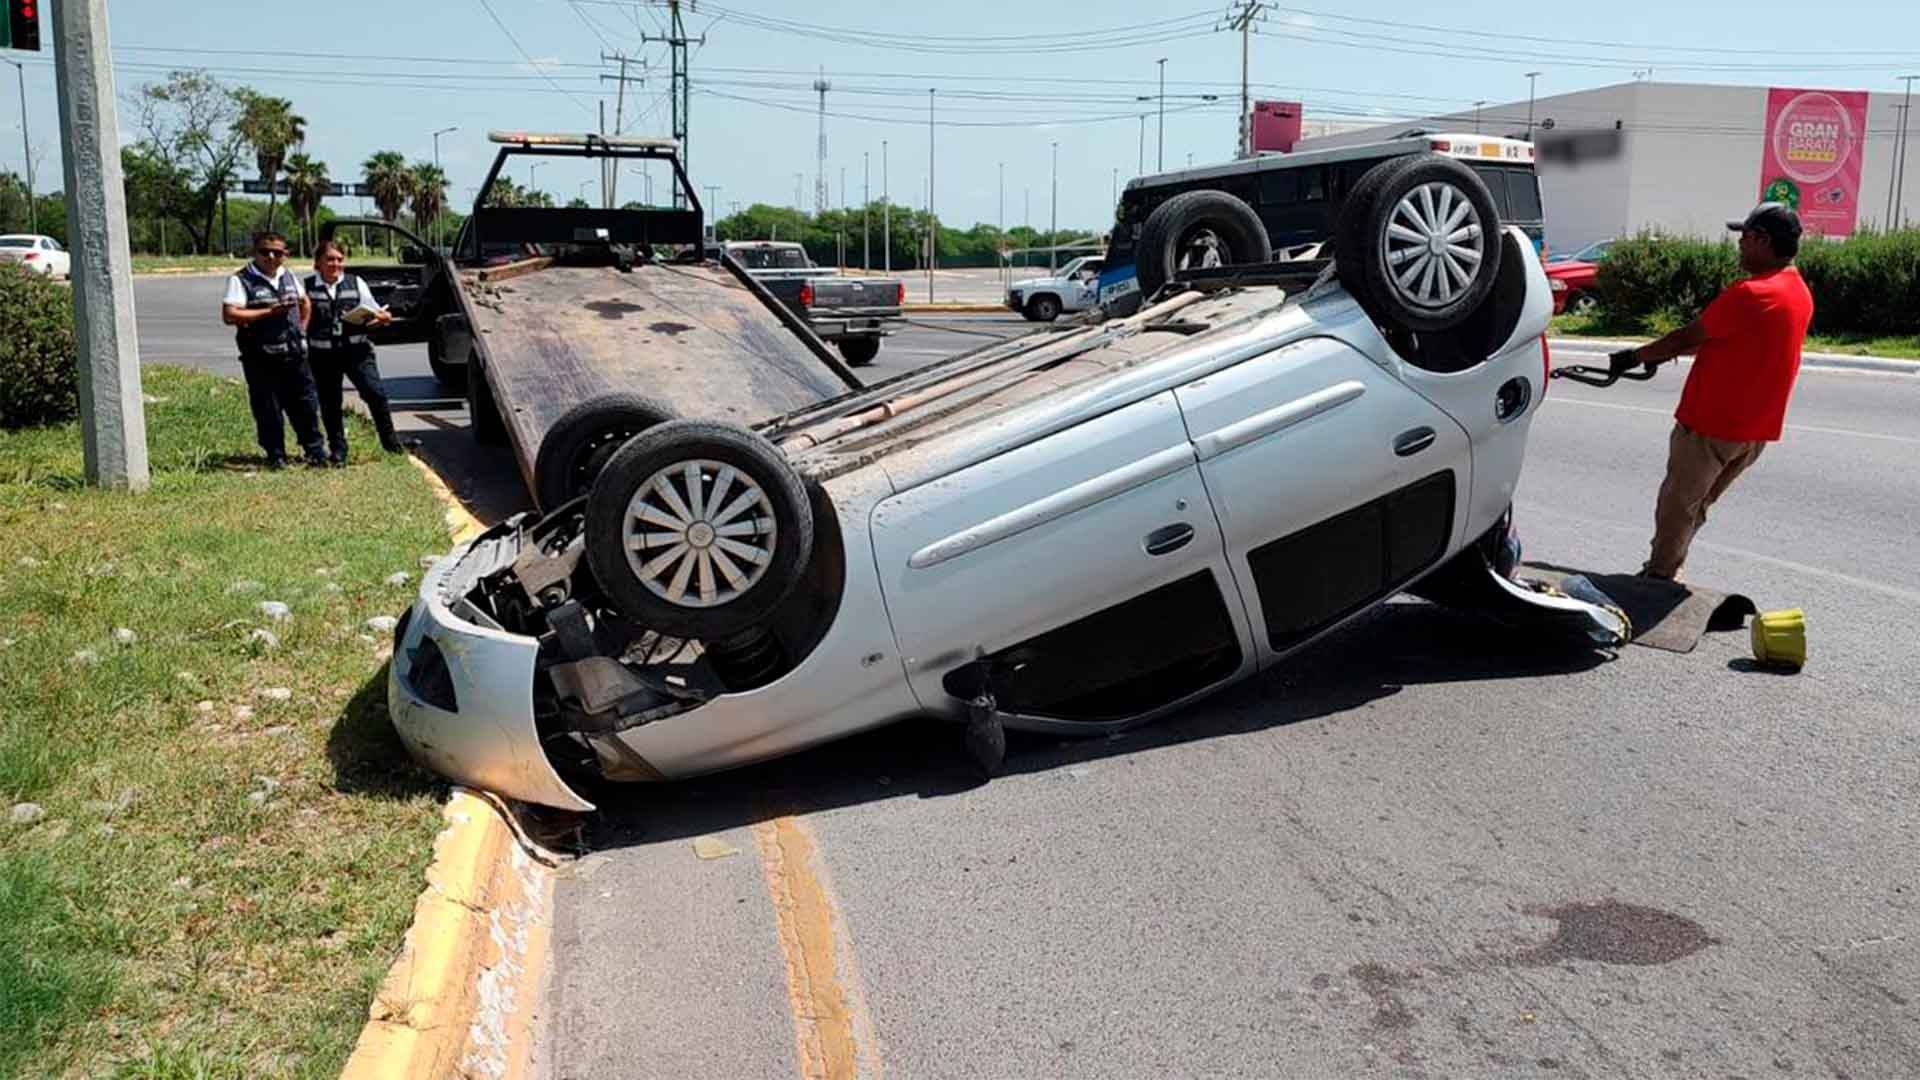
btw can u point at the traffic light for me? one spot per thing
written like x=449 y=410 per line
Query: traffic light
x=22 y=28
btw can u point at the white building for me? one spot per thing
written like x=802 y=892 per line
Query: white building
x=1669 y=157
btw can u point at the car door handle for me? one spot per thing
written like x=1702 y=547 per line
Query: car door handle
x=1412 y=442
x=1168 y=538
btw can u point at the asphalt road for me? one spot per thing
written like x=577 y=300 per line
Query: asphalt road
x=1423 y=849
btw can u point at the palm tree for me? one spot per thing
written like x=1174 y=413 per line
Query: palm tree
x=307 y=184
x=429 y=196
x=271 y=127
x=392 y=182
x=505 y=193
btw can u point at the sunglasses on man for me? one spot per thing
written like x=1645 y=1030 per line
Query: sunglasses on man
x=273 y=253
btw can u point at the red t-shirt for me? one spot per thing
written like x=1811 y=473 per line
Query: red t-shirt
x=1743 y=375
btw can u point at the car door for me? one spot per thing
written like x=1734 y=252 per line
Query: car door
x=1333 y=481
x=1086 y=567
x=398 y=267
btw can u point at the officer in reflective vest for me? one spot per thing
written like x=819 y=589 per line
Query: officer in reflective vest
x=343 y=308
x=265 y=305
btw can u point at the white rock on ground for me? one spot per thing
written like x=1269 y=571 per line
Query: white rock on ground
x=244 y=587
x=400 y=578
x=27 y=813
x=266 y=639
x=243 y=712
x=124 y=636
x=86 y=656
x=203 y=706
x=332 y=587
x=277 y=693
x=382 y=624
x=275 y=610
x=29 y=561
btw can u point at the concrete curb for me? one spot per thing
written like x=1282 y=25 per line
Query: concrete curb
x=1842 y=361
x=185 y=271
x=460 y=999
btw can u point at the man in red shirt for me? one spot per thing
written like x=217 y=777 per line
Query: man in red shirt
x=1746 y=348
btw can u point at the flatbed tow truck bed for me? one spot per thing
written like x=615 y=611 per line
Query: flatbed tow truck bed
x=692 y=336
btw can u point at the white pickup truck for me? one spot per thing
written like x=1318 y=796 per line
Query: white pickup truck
x=1075 y=288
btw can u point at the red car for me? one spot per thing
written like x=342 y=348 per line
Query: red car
x=1575 y=286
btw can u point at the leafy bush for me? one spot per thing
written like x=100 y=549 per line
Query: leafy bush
x=39 y=369
x=1866 y=284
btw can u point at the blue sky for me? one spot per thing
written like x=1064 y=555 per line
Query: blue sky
x=1011 y=79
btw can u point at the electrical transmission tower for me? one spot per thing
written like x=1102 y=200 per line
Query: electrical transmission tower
x=821 y=194
x=677 y=39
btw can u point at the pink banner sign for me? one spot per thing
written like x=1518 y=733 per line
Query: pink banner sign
x=1815 y=142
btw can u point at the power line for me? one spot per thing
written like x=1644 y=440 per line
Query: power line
x=582 y=102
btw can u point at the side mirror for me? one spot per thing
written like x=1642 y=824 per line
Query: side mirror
x=413 y=255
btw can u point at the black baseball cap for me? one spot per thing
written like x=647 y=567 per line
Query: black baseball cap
x=1776 y=220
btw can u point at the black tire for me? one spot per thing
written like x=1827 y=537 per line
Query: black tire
x=1369 y=255
x=858 y=351
x=1043 y=308
x=483 y=413
x=584 y=439
x=452 y=377
x=1176 y=233
x=619 y=567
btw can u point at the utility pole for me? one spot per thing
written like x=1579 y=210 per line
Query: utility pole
x=866 y=210
x=933 y=223
x=1476 y=114
x=798 y=206
x=678 y=40
x=1003 y=217
x=26 y=141
x=886 y=209
x=113 y=419
x=1531 y=77
x=609 y=172
x=1053 y=230
x=713 y=199
x=1242 y=20
x=1162 y=160
x=1900 y=184
x=1140 y=169
x=821 y=193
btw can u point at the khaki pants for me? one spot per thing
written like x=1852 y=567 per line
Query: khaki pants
x=1699 y=471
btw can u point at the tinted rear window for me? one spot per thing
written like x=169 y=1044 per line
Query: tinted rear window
x=760 y=259
x=1516 y=194
x=16 y=241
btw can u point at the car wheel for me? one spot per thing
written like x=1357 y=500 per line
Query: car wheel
x=1583 y=303
x=584 y=439
x=483 y=413
x=1043 y=309
x=698 y=530
x=1418 y=242
x=452 y=377
x=859 y=351
x=1196 y=230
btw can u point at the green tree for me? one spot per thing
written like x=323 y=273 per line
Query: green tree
x=271 y=127
x=578 y=203
x=187 y=124
x=307 y=184
x=506 y=193
x=429 y=196
x=387 y=174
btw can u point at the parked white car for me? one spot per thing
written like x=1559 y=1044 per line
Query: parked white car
x=40 y=254
x=1075 y=288
x=1069 y=533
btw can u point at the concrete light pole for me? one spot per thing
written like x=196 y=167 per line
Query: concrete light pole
x=1900 y=183
x=933 y=223
x=435 y=238
x=113 y=419
x=886 y=210
x=1162 y=165
x=1053 y=230
x=1531 y=77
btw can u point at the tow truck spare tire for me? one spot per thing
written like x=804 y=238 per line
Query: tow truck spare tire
x=1418 y=243
x=584 y=439
x=698 y=529
x=1195 y=230
x=858 y=351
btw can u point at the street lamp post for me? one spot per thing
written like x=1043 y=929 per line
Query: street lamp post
x=532 y=168
x=1900 y=183
x=1476 y=115
x=1162 y=161
x=933 y=223
x=1053 y=230
x=26 y=141
x=436 y=168
x=1140 y=168
x=1531 y=77
x=866 y=210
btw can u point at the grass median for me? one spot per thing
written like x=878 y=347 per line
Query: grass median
x=210 y=838
x=1891 y=346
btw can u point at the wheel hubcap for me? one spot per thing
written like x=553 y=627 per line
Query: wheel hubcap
x=1433 y=245
x=699 y=533
x=1202 y=250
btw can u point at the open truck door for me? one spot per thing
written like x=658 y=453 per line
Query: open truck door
x=403 y=285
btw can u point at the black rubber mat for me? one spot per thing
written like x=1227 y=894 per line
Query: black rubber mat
x=1665 y=614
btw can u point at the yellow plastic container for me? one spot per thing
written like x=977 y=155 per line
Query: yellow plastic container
x=1780 y=638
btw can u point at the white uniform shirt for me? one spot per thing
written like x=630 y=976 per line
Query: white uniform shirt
x=237 y=296
x=359 y=286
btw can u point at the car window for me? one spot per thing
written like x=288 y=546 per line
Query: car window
x=1523 y=197
x=762 y=259
x=16 y=241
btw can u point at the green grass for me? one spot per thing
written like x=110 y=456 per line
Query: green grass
x=1605 y=326
x=158 y=921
